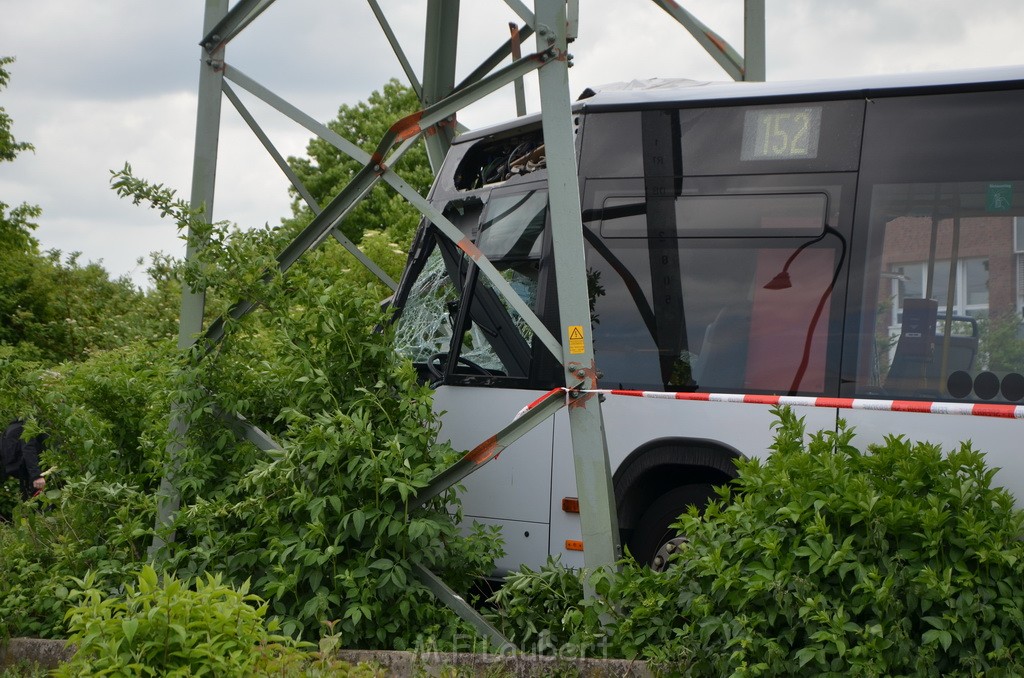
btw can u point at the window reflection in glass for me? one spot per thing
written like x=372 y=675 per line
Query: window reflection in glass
x=510 y=236
x=945 y=292
x=742 y=333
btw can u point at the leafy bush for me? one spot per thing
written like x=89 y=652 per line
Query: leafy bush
x=823 y=560
x=164 y=628
x=1001 y=349
x=42 y=551
x=52 y=307
x=539 y=609
x=324 y=528
x=106 y=423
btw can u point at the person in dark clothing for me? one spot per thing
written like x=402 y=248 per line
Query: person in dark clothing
x=20 y=458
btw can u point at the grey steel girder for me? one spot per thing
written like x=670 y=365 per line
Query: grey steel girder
x=523 y=11
x=589 y=447
x=753 y=67
x=374 y=169
x=396 y=47
x=190 y=323
x=232 y=23
x=440 y=46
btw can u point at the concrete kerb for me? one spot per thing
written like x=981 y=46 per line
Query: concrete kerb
x=45 y=653
x=49 y=653
x=518 y=665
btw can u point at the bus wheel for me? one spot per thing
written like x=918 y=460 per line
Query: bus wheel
x=654 y=539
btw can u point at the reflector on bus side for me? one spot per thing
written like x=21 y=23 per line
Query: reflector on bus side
x=573 y=545
x=570 y=504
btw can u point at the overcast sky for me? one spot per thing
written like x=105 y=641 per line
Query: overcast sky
x=99 y=84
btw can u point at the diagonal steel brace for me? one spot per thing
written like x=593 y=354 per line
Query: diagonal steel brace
x=489 y=449
x=374 y=169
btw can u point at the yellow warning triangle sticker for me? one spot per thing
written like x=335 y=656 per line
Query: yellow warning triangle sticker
x=576 y=343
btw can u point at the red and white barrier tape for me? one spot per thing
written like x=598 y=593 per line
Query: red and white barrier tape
x=926 y=407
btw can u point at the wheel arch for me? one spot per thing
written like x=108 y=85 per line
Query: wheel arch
x=660 y=465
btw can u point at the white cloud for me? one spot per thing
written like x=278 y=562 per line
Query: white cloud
x=100 y=84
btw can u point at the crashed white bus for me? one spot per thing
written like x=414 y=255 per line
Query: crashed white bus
x=856 y=246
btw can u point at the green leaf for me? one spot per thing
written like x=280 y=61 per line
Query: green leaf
x=805 y=655
x=358 y=521
x=129 y=627
x=147 y=579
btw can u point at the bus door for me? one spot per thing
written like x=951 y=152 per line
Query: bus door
x=484 y=362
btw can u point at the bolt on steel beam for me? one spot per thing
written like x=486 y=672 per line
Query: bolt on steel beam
x=232 y=23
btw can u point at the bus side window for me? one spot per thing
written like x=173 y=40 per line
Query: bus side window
x=496 y=338
x=747 y=280
x=947 y=316
x=789 y=325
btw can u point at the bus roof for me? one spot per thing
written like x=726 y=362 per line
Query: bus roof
x=660 y=92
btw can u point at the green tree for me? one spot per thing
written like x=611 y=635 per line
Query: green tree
x=16 y=224
x=53 y=307
x=18 y=248
x=325 y=528
x=326 y=170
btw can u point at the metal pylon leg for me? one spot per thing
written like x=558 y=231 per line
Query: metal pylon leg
x=204 y=172
x=590 y=451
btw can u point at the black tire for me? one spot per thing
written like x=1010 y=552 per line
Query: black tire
x=654 y=528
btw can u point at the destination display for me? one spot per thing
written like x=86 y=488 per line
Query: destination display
x=789 y=133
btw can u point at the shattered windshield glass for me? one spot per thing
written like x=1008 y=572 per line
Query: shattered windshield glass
x=496 y=339
x=425 y=326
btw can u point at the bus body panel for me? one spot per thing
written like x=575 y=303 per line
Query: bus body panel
x=511 y=491
x=523 y=543
x=631 y=423
x=507 y=486
x=1001 y=440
